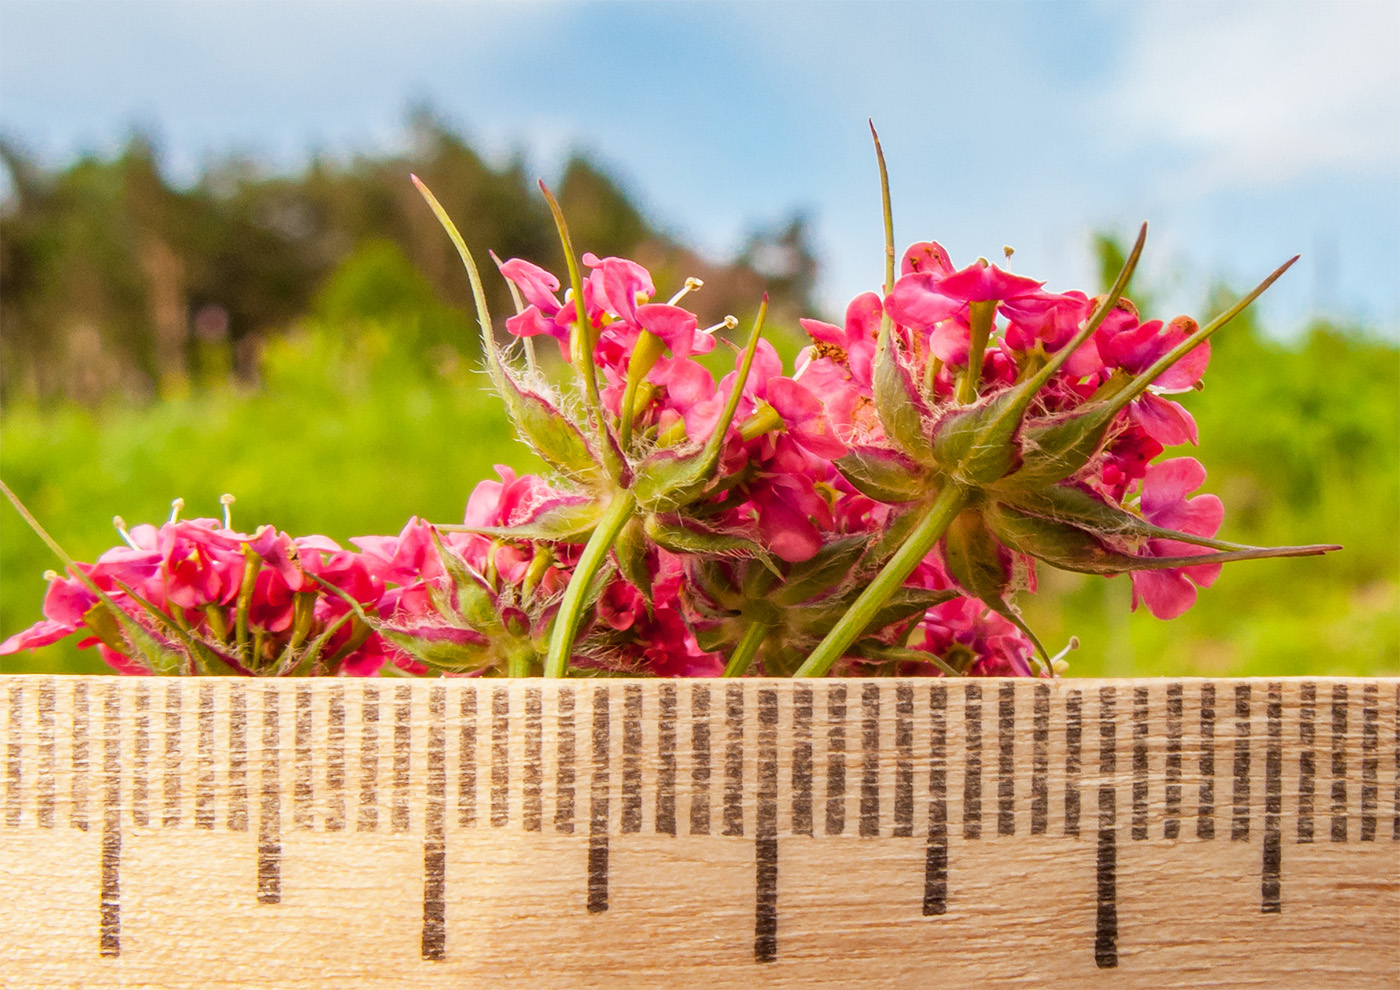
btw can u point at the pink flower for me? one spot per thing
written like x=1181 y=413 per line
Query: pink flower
x=1169 y=593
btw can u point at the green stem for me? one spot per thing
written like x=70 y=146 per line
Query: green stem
x=566 y=623
x=916 y=547
x=742 y=658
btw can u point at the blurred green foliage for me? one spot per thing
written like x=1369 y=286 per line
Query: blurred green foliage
x=364 y=408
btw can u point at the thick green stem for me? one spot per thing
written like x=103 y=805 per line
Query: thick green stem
x=916 y=547
x=566 y=623
x=742 y=658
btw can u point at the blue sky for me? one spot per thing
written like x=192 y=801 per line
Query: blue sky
x=1244 y=132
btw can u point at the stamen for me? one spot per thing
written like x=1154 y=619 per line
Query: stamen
x=227 y=500
x=691 y=284
x=51 y=575
x=728 y=323
x=120 y=525
x=175 y=508
x=1008 y=250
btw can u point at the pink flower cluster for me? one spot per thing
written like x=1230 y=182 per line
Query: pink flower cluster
x=875 y=511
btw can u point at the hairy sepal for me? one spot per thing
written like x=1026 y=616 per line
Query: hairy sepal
x=633 y=557
x=980 y=444
x=901 y=408
x=443 y=647
x=568 y=519
x=884 y=475
x=671 y=479
x=559 y=442
x=678 y=537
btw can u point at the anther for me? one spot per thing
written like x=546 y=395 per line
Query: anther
x=120 y=525
x=691 y=284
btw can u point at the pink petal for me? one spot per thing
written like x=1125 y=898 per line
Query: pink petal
x=1167 y=483
x=1163 y=420
x=926 y=256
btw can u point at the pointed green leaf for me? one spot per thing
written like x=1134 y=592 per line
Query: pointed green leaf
x=678 y=537
x=632 y=557
x=822 y=573
x=974 y=558
x=450 y=651
x=569 y=519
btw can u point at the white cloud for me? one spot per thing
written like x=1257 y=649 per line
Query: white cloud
x=1263 y=92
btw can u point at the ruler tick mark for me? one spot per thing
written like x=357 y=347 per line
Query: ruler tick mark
x=1395 y=826
x=802 y=760
x=1239 y=825
x=1370 y=737
x=500 y=756
x=1270 y=892
x=1040 y=759
x=734 y=760
x=1140 y=711
x=335 y=759
x=466 y=757
x=15 y=755
x=567 y=751
x=904 y=760
x=666 y=762
x=532 y=776
x=270 y=802
x=765 y=943
x=77 y=804
x=44 y=783
x=140 y=757
x=403 y=757
x=1205 y=809
x=368 y=820
x=204 y=812
x=631 y=759
x=1171 y=825
x=434 y=941
x=174 y=697
x=1307 y=760
x=1106 y=924
x=302 y=793
x=1339 y=763
x=972 y=772
x=1074 y=735
x=836 y=759
x=109 y=892
x=1006 y=759
x=237 y=759
x=598 y=806
x=870 y=761
x=699 y=760
x=936 y=854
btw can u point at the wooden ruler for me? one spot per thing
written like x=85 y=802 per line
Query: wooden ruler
x=210 y=833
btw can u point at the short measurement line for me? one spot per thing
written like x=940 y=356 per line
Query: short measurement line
x=1270 y=891
x=78 y=789
x=631 y=759
x=936 y=855
x=1395 y=824
x=173 y=770
x=141 y=757
x=1370 y=738
x=870 y=761
x=1171 y=822
x=466 y=760
x=836 y=759
x=972 y=765
x=666 y=762
x=335 y=760
x=14 y=755
x=237 y=820
x=368 y=820
x=734 y=760
x=1106 y=924
x=500 y=756
x=532 y=774
x=303 y=767
x=1140 y=705
x=1339 y=763
x=802 y=760
x=1239 y=824
x=566 y=753
x=434 y=943
x=765 y=939
x=1205 y=807
x=270 y=802
x=204 y=810
x=1074 y=738
x=1040 y=759
x=598 y=806
x=699 y=760
x=109 y=893
x=1307 y=760
x=1006 y=759
x=904 y=760
x=403 y=757
x=45 y=784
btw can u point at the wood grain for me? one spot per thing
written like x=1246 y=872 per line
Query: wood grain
x=220 y=833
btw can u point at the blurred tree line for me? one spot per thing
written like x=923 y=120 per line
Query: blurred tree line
x=115 y=281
